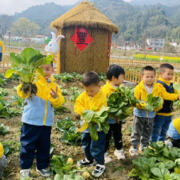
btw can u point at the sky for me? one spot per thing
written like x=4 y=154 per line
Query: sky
x=11 y=6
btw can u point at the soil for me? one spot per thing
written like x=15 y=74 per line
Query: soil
x=115 y=170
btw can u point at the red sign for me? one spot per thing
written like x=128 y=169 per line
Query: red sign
x=83 y=39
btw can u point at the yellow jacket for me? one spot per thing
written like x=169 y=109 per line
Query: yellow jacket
x=1 y=47
x=40 y=110
x=166 y=95
x=1 y=150
x=108 y=89
x=141 y=94
x=174 y=129
x=84 y=102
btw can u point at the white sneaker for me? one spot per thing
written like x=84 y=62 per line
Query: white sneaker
x=44 y=172
x=133 y=152
x=107 y=158
x=169 y=144
x=25 y=173
x=142 y=147
x=99 y=170
x=119 y=154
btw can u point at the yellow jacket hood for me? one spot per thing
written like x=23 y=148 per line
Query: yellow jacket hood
x=108 y=89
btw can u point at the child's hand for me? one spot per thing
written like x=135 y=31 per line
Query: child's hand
x=178 y=96
x=54 y=93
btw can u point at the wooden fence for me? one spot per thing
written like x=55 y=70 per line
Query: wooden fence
x=5 y=63
x=131 y=74
x=139 y=63
x=134 y=75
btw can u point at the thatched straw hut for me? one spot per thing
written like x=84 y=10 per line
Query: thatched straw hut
x=91 y=53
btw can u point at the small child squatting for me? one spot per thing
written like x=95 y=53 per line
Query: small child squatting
x=143 y=119
x=92 y=97
x=115 y=75
x=174 y=134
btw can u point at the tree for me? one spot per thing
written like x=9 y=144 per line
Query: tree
x=5 y=23
x=24 y=28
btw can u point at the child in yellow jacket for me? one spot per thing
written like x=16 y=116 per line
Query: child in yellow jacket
x=115 y=75
x=163 y=117
x=90 y=98
x=37 y=118
x=1 y=50
x=143 y=119
x=3 y=160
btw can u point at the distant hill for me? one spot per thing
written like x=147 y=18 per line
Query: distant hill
x=152 y=2
x=135 y=22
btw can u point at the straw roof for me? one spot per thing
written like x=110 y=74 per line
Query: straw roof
x=87 y=15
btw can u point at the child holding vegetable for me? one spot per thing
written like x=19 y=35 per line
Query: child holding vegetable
x=163 y=117
x=174 y=134
x=91 y=98
x=115 y=75
x=37 y=118
x=143 y=119
x=3 y=160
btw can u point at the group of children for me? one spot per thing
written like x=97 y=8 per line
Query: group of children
x=38 y=117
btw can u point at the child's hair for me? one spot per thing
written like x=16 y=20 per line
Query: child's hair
x=114 y=70
x=148 y=68
x=90 y=78
x=163 y=67
x=51 y=61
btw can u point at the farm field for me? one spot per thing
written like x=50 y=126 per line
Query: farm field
x=116 y=170
x=157 y=58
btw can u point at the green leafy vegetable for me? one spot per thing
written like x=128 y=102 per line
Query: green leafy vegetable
x=59 y=164
x=177 y=87
x=3 y=129
x=102 y=76
x=153 y=102
x=64 y=124
x=25 y=65
x=121 y=102
x=93 y=118
x=71 y=136
x=74 y=95
x=60 y=110
x=65 y=77
x=7 y=110
x=3 y=92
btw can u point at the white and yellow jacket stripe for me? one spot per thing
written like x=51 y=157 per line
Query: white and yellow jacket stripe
x=40 y=110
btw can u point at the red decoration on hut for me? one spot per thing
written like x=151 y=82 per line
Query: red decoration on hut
x=83 y=38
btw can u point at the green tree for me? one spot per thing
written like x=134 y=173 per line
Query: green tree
x=24 y=28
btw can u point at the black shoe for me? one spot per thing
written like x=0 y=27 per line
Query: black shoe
x=99 y=170
x=85 y=162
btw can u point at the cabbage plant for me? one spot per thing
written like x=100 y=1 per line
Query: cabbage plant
x=26 y=64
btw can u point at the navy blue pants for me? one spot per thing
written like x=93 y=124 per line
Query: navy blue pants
x=35 y=138
x=94 y=149
x=0 y=57
x=160 y=128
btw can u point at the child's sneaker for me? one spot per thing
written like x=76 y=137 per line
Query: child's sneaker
x=85 y=162
x=142 y=147
x=99 y=170
x=133 y=152
x=44 y=172
x=107 y=158
x=119 y=154
x=169 y=144
x=25 y=173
